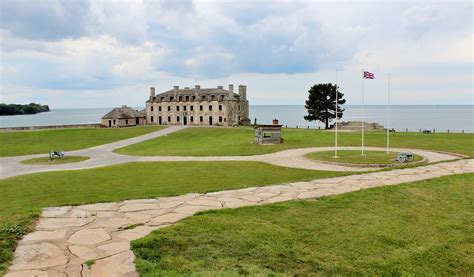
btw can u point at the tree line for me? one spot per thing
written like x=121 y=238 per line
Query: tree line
x=16 y=109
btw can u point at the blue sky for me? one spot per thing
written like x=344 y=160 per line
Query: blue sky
x=107 y=53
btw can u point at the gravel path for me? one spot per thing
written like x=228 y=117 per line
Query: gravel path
x=102 y=156
x=66 y=237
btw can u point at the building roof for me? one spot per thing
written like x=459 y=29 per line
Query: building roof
x=123 y=112
x=191 y=92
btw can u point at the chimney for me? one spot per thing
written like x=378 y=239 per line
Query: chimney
x=220 y=87
x=243 y=92
x=197 y=90
x=275 y=121
x=152 y=91
x=175 y=92
x=231 y=91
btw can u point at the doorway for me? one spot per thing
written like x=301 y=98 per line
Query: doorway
x=110 y=123
x=210 y=120
x=185 y=120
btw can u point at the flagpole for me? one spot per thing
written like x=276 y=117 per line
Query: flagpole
x=335 y=138
x=363 y=113
x=388 y=115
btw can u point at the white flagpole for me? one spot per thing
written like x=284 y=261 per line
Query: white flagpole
x=363 y=113
x=335 y=138
x=388 y=115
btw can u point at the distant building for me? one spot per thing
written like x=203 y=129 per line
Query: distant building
x=196 y=106
x=123 y=117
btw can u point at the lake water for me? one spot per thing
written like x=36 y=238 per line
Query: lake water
x=441 y=118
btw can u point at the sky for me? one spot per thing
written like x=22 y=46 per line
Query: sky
x=105 y=53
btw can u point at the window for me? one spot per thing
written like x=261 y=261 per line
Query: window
x=191 y=119
x=177 y=119
x=179 y=98
x=114 y=121
x=200 y=108
x=239 y=108
x=210 y=107
x=126 y=121
x=191 y=108
x=177 y=108
x=159 y=108
x=220 y=118
x=171 y=98
x=193 y=98
x=220 y=107
x=187 y=98
x=169 y=108
x=201 y=119
x=151 y=108
x=151 y=119
x=184 y=108
x=169 y=119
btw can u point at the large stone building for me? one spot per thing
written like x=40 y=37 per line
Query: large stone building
x=196 y=106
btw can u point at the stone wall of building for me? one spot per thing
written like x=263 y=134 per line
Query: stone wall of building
x=122 y=122
x=198 y=109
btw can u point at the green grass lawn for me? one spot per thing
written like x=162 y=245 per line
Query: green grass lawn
x=41 y=142
x=239 y=141
x=417 y=229
x=47 y=161
x=355 y=157
x=22 y=197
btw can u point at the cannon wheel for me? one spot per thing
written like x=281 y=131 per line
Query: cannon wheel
x=410 y=158
x=402 y=158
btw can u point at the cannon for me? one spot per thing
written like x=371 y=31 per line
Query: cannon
x=405 y=157
x=56 y=154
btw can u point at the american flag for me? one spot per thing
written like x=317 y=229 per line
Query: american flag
x=368 y=75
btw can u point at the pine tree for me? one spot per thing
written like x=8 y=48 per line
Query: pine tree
x=321 y=103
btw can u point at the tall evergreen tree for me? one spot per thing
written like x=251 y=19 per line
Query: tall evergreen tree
x=321 y=103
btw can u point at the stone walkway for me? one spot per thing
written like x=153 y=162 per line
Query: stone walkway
x=66 y=237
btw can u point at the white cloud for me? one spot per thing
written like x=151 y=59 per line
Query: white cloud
x=278 y=49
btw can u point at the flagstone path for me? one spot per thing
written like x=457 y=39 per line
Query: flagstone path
x=66 y=237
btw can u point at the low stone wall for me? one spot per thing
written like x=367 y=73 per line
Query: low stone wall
x=32 y=128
